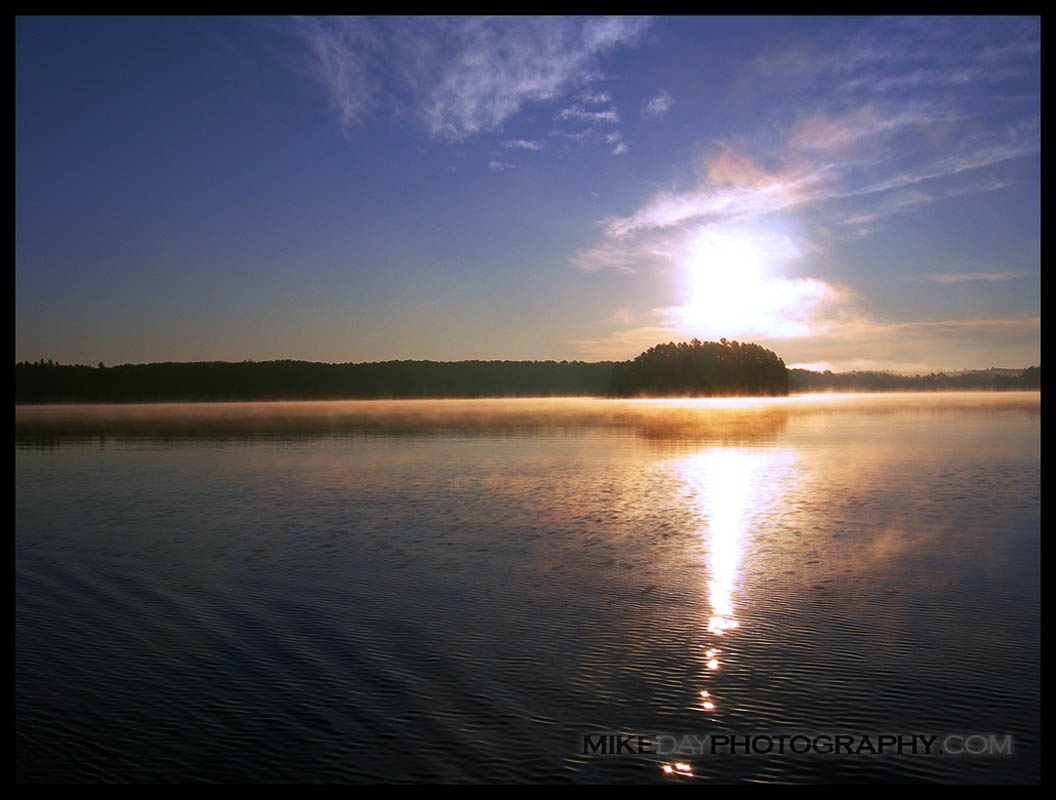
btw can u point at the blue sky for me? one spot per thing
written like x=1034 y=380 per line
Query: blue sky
x=854 y=193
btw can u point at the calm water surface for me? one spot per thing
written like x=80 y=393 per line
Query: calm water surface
x=461 y=590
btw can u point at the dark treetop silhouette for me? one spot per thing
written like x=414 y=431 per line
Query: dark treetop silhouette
x=701 y=369
x=685 y=369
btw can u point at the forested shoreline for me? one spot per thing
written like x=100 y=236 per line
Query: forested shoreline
x=802 y=381
x=694 y=368
x=701 y=369
x=306 y=380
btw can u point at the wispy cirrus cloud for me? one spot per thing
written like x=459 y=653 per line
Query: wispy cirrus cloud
x=595 y=134
x=658 y=106
x=619 y=145
x=735 y=185
x=609 y=115
x=846 y=166
x=971 y=277
x=460 y=76
x=348 y=53
x=596 y=98
x=581 y=135
x=926 y=56
x=893 y=201
x=523 y=144
x=830 y=166
x=842 y=133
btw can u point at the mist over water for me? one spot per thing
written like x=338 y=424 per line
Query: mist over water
x=461 y=590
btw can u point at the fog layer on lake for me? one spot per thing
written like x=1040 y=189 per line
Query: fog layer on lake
x=462 y=590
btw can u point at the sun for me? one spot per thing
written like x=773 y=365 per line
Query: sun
x=724 y=283
x=733 y=287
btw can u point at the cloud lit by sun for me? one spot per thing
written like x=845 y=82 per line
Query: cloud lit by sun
x=733 y=287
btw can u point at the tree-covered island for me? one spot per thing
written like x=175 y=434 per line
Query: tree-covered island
x=684 y=369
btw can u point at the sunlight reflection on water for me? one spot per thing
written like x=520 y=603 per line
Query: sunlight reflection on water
x=456 y=590
x=728 y=489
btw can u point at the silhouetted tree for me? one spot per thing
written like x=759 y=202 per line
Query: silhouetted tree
x=701 y=369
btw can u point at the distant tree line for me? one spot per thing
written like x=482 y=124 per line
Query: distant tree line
x=803 y=381
x=48 y=382
x=701 y=369
x=685 y=369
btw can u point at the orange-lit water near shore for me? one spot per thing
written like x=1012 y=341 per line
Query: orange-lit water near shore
x=463 y=589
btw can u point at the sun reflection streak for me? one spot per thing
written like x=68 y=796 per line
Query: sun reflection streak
x=680 y=768
x=728 y=487
x=723 y=478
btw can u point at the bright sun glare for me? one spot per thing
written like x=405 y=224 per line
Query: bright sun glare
x=732 y=291
x=724 y=278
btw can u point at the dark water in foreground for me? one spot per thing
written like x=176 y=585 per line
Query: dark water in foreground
x=461 y=590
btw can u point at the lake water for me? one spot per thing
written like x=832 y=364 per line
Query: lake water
x=463 y=590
